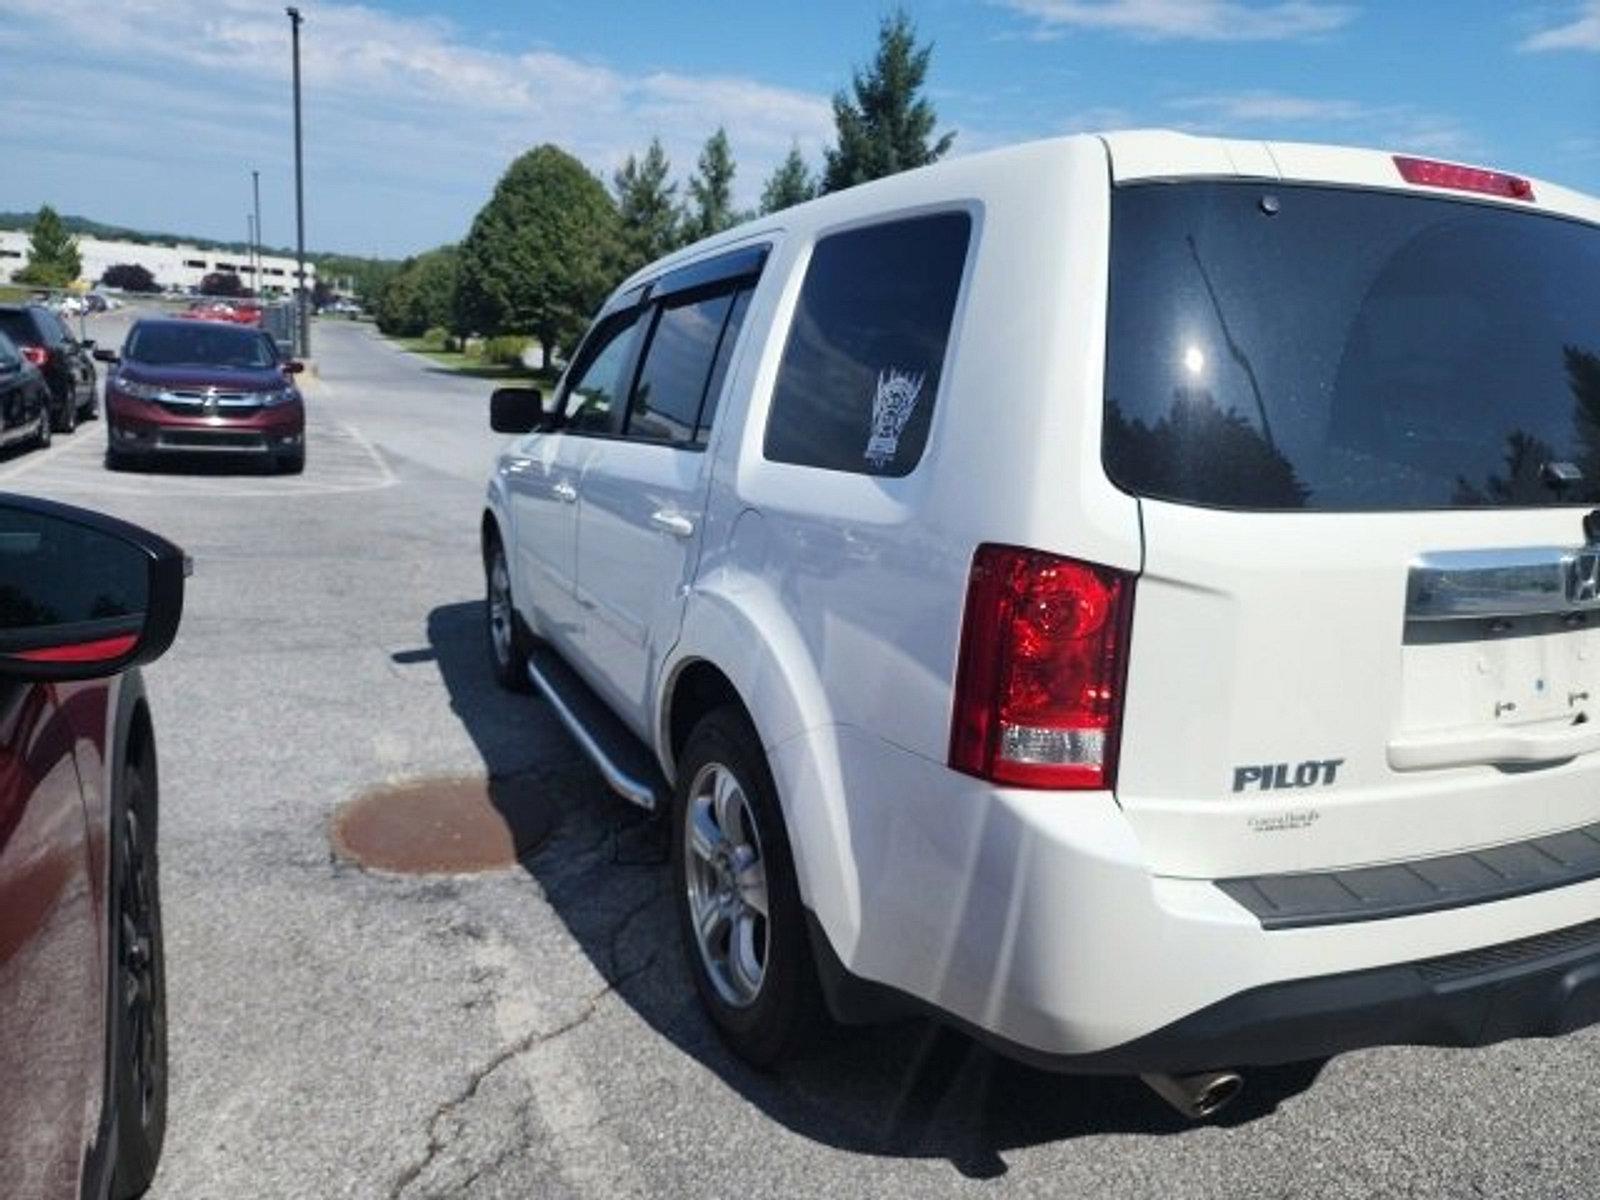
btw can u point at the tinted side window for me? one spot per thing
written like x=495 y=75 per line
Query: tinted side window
x=600 y=384
x=719 y=369
x=9 y=356
x=677 y=365
x=861 y=368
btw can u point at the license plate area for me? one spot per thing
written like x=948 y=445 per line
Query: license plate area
x=1500 y=671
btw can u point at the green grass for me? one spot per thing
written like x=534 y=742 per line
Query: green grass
x=473 y=366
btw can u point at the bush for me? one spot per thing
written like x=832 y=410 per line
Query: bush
x=130 y=277
x=225 y=284
x=505 y=350
x=436 y=337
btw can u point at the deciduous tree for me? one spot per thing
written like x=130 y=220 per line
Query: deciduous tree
x=130 y=277
x=541 y=254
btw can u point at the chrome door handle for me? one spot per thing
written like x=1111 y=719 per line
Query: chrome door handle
x=565 y=492
x=676 y=524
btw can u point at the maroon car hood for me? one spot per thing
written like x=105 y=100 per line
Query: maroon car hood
x=190 y=378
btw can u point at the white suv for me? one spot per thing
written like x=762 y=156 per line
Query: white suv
x=1130 y=596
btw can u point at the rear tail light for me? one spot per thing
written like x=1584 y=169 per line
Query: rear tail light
x=1431 y=173
x=37 y=355
x=1039 y=684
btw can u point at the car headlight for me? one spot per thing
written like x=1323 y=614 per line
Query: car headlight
x=283 y=395
x=139 y=391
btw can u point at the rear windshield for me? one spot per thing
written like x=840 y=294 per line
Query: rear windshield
x=1291 y=347
x=19 y=328
x=199 y=344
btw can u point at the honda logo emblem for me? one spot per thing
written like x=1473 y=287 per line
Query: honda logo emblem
x=1583 y=577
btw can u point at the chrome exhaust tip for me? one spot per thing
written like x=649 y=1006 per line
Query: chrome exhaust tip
x=1198 y=1096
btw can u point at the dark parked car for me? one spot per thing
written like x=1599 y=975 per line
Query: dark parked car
x=188 y=386
x=84 y=600
x=64 y=361
x=24 y=399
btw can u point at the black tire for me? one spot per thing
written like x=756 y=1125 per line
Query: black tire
x=507 y=637
x=139 y=994
x=68 y=420
x=121 y=460
x=42 y=439
x=786 y=1007
x=292 y=464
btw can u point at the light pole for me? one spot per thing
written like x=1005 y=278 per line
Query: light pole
x=301 y=299
x=255 y=183
x=250 y=252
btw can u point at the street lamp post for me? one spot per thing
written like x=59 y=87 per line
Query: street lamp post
x=255 y=184
x=302 y=300
x=250 y=252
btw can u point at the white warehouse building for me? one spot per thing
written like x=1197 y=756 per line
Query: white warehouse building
x=177 y=266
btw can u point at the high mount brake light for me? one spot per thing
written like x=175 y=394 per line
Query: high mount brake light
x=1457 y=178
x=1039 y=684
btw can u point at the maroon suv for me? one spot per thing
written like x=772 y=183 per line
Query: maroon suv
x=83 y=1038
x=201 y=387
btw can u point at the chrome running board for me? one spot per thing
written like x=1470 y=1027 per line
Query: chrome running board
x=624 y=762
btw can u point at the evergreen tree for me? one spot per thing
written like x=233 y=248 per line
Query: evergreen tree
x=541 y=254
x=645 y=204
x=884 y=124
x=53 y=259
x=711 y=190
x=789 y=185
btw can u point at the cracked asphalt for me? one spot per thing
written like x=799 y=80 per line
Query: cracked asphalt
x=532 y=1032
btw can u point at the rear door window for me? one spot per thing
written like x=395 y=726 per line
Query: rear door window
x=860 y=371
x=1298 y=347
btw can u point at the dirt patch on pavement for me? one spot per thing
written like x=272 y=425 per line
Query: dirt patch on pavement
x=445 y=826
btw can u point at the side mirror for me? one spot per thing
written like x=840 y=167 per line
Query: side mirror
x=82 y=595
x=293 y=367
x=105 y=356
x=517 y=410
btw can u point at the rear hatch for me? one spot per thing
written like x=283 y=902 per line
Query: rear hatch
x=1364 y=427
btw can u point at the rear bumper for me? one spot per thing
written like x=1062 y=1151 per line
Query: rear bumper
x=1537 y=988
x=1030 y=919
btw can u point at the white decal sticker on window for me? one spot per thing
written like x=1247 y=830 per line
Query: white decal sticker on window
x=891 y=409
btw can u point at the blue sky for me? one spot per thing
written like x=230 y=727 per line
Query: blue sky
x=152 y=113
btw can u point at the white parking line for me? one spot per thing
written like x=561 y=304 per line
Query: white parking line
x=339 y=458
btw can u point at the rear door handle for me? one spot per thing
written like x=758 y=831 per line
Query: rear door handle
x=1529 y=744
x=676 y=524
x=565 y=492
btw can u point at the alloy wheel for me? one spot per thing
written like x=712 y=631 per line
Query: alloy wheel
x=726 y=877
x=500 y=615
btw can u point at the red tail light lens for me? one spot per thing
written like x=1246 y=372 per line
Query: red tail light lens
x=1463 y=179
x=37 y=355
x=1044 y=646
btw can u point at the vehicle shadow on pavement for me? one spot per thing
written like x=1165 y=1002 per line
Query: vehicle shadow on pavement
x=912 y=1089
x=206 y=463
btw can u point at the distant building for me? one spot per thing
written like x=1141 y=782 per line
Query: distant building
x=172 y=266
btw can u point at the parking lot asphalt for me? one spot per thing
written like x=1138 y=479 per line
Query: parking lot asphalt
x=533 y=1032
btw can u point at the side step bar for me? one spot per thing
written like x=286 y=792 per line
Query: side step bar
x=625 y=763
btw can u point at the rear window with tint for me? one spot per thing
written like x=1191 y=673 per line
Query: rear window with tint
x=861 y=368
x=19 y=328
x=1293 y=347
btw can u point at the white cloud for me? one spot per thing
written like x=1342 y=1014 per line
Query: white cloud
x=1582 y=32
x=1263 y=107
x=398 y=99
x=1396 y=125
x=1195 y=20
